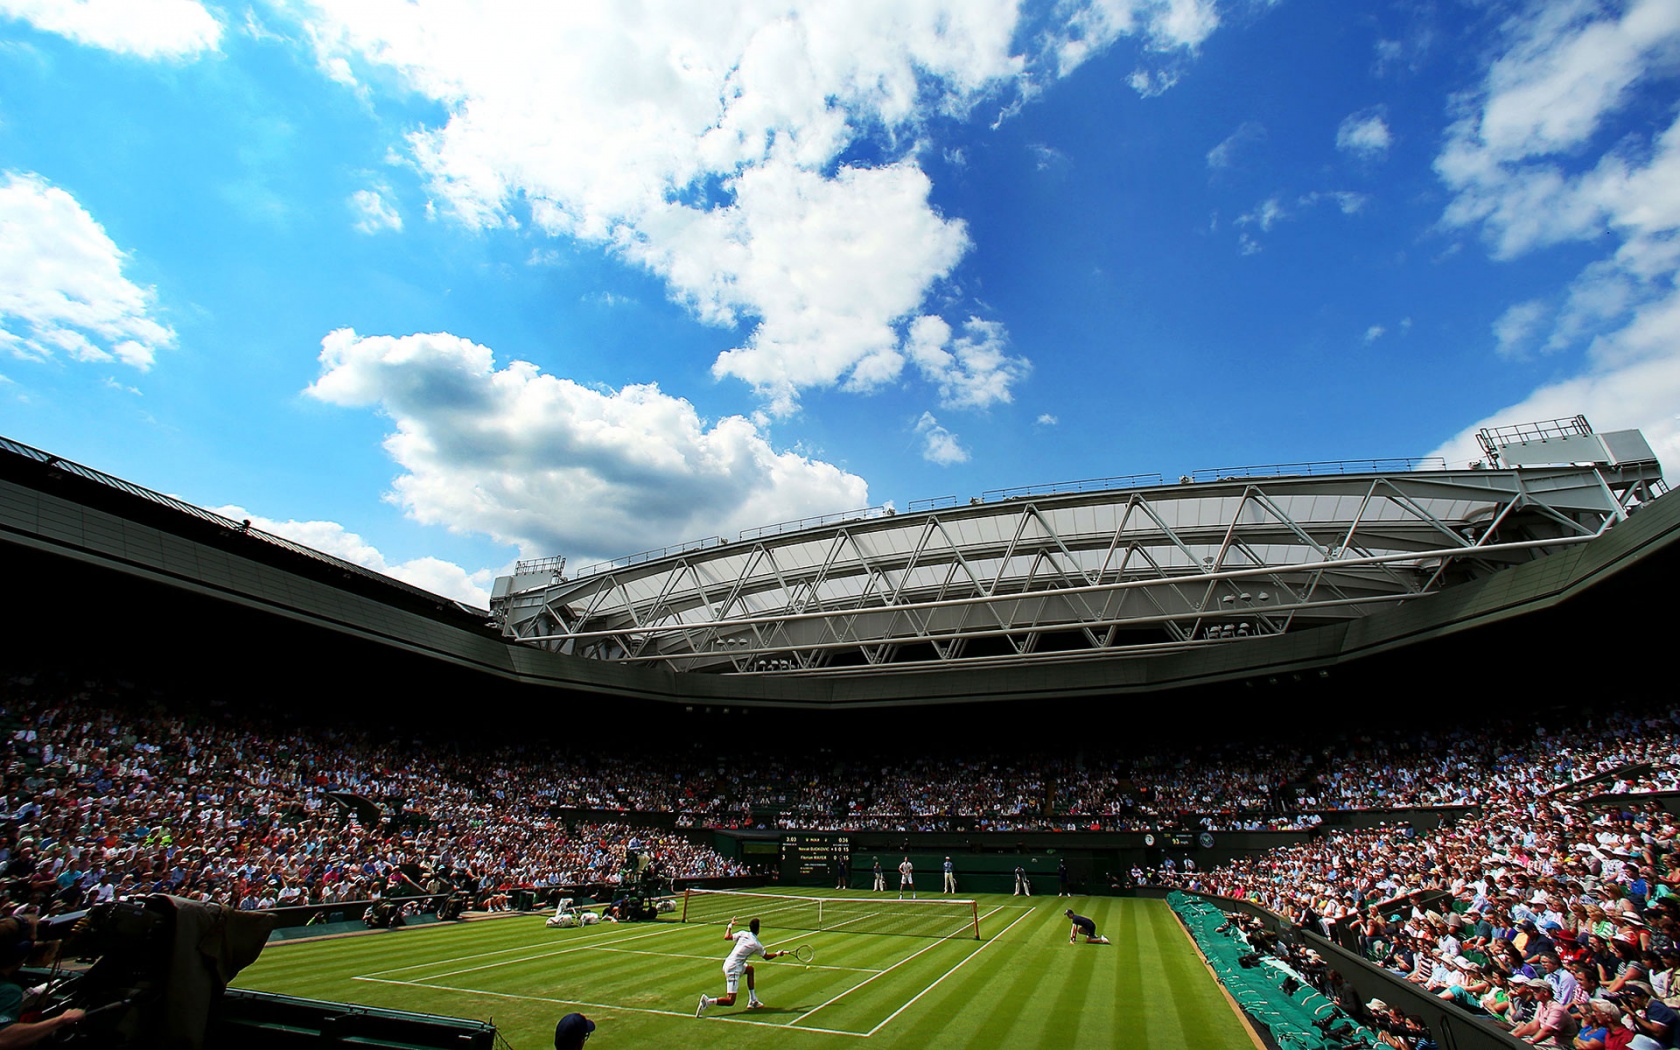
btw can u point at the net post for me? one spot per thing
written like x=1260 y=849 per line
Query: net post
x=976 y=906
x=688 y=891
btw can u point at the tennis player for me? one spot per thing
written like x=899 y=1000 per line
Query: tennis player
x=906 y=879
x=746 y=946
x=1088 y=927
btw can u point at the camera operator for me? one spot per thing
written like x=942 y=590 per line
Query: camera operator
x=16 y=944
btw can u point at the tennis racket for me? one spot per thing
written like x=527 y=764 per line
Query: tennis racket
x=804 y=953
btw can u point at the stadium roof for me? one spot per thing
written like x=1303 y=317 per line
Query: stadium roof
x=1055 y=576
x=1055 y=595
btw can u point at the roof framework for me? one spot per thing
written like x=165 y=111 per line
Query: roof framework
x=1111 y=574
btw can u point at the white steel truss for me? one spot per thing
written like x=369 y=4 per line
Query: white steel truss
x=1122 y=572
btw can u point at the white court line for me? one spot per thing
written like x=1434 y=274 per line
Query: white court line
x=891 y=968
x=528 y=958
x=480 y=955
x=948 y=973
x=610 y=1006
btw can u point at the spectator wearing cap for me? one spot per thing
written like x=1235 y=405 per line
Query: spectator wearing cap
x=1649 y=1016
x=1537 y=942
x=572 y=1032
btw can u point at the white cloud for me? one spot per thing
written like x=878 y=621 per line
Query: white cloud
x=557 y=468
x=938 y=444
x=1515 y=329
x=1046 y=420
x=373 y=213
x=1048 y=158
x=62 y=288
x=1517 y=160
x=1375 y=332
x=329 y=537
x=1523 y=167
x=1365 y=135
x=1165 y=25
x=145 y=28
x=1632 y=381
x=1265 y=215
x=1226 y=153
x=707 y=145
x=971 y=370
x=714 y=145
x=830 y=264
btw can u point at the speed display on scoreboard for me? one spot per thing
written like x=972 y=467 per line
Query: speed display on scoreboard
x=812 y=858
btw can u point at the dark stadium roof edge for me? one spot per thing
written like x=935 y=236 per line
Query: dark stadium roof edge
x=1131 y=591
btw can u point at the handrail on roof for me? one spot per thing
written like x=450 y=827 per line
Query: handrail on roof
x=1540 y=430
x=1323 y=468
x=649 y=555
x=861 y=514
x=555 y=563
x=244 y=528
x=935 y=503
x=1057 y=488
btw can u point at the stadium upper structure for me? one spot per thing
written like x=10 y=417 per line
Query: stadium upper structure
x=1091 y=570
x=1119 y=587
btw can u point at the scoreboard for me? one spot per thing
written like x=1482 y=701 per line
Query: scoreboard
x=809 y=858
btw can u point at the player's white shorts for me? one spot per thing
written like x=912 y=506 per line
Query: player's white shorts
x=732 y=978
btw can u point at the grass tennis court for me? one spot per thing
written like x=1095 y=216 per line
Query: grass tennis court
x=1020 y=985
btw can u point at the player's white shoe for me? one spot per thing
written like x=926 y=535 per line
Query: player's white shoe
x=756 y=1004
x=701 y=1009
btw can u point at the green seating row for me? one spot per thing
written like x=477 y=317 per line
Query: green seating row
x=1257 y=989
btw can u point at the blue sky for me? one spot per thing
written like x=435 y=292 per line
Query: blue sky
x=433 y=286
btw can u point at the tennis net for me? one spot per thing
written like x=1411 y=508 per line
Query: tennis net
x=932 y=917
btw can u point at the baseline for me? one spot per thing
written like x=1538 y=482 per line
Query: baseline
x=714 y=1018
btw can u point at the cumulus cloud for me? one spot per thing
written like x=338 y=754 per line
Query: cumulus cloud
x=1519 y=159
x=554 y=467
x=1527 y=169
x=373 y=213
x=1164 y=25
x=708 y=146
x=62 y=288
x=717 y=146
x=1046 y=420
x=1375 y=332
x=938 y=444
x=1365 y=135
x=329 y=537
x=972 y=370
x=145 y=28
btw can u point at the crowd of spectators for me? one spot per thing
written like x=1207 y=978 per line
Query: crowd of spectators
x=103 y=799
x=108 y=791
x=1549 y=907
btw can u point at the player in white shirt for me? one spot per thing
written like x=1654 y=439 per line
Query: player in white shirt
x=906 y=879
x=746 y=946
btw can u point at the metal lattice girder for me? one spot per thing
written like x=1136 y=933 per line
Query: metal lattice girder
x=1105 y=573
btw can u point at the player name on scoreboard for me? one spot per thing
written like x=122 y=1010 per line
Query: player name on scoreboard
x=813 y=856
